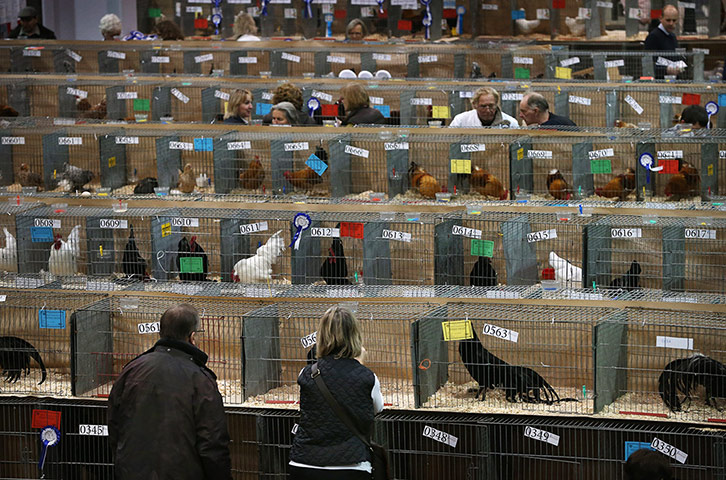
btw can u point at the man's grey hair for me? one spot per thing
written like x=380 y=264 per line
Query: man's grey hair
x=536 y=100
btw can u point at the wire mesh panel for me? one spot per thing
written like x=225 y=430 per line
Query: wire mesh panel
x=36 y=341
x=661 y=363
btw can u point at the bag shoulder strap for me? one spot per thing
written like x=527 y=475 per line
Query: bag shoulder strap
x=342 y=414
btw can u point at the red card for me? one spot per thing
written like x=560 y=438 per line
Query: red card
x=558 y=3
x=656 y=13
x=340 y=13
x=330 y=110
x=669 y=166
x=201 y=23
x=449 y=13
x=351 y=229
x=406 y=25
x=691 y=99
x=43 y=418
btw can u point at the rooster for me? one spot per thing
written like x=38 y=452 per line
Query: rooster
x=254 y=175
x=483 y=273
x=557 y=185
x=565 y=272
x=620 y=186
x=424 y=182
x=306 y=177
x=74 y=178
x=334 y=269
x=132 y=263
x=186 y=179
x=487 y=184
x=26 y=178
x=64 y=255
x=15 y=355
x=191 y=249
x=9 y=253
x=685 y=184
x=525 y=26
x=631 y=280
x=622 y=124
x=258 y=268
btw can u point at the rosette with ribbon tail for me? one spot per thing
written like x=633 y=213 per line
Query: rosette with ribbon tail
x=646 y=161
x=313 y=104
x=301 y=222
x=308 y=12
x=328 y=24
x=265 y=3
x=380 y=6
x=427 y=19
x=460 y=11
x=49 y=436
x=711 y=109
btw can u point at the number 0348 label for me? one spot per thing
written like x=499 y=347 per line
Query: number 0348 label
x=440 y=436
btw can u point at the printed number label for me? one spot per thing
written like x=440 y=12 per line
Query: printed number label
x=700 y=234
x=465 y=232
x=626 y=233
x=184 y=222
x=127 y=140
x=360 y=152
x=291 y=147
x=112 y=223
x=309 y=340
x=542 y=435
x=150 y=327
x=325 y=232
x=669 y=450
x=93 y=430
x=541 y=235
x=47 y=222
x=439 y=436
x=239 y=146
x=70 y=141
x=499 y=332
x=13 y=140
x=396 y=235
x=252 y=228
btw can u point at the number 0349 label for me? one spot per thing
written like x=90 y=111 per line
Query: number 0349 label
x=542 y=435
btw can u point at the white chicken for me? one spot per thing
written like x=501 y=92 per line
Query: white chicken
x=576 y=26
x=64 y=255
x=258 y=268
x=565 y=272
x=526 y=26
x=9 y=254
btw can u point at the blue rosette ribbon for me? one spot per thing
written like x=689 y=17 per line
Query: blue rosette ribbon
x=265 y=3
x=308 y=12
x=460 y=11
x=380 y=6
x=313 y=104
x=711 y=109
x=428 y=18
x=49 y=436
x=646 y=161
x=301 y=222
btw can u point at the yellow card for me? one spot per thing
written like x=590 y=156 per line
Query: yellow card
x=457 y=330
x=441 y=112
x=166 y=229
x=564 y=73
x=461 y=166
x=710 y=170
x=520 y=154
x=111 y=162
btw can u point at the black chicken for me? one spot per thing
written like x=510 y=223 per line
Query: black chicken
x=631 y=280
x=146 y=186
x=483 y=273
x=15 y=355
x=191 y=249
x=334 y=269
x=132 y=263
x=683 y=376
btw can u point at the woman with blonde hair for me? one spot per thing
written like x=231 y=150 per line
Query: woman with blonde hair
x=239 y=107
x=357 y=106
x=324 y=448
x=244 y=28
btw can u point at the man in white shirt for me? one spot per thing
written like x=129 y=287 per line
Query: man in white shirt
x=486 y=112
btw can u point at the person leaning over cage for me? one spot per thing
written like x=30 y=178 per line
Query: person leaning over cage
x=239 y=108
x=535 y=110
x=324 y=448
x=110 y=27
x=165 y=415
x=646 y=464
x=288 y=92
x=358 y=111
x=486 y=112
x=30 y=26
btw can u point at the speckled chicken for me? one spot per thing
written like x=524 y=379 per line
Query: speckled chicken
x=557 y=185
x=424 y=182
x=26 y=178
x=685 y=184
x=253 y=176
x=620 y=186
x=486 y=184
x=186 y=179
x=74 y=178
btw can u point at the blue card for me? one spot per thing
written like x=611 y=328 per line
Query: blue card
x=316 y=164
x=203 y=145
x=384 y=109
x=55 y=319
x=631 y=447
x=517 y=14
x=41 y=234
x=263 y=108
x=722 y=99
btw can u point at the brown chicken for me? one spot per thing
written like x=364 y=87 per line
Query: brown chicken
x=557 y=185
x=26 y=178
x=422 y=181
x=621 y=124
x=85 y=110
x=304 y=178
x=685 y=184
x=486 y=184
x=8 y=111
x=187 y=181
x=254 y=175
x=620 y=186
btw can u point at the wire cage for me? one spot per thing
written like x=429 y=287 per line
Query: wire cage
x=638 y=367
x=672 y=254
x=36 y=341
x=9 y=250
x=113 y=331
x=505 y=358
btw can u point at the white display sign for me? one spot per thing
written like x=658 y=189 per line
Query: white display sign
x=542 y=435
x=184 y=222
x=292 y=147
x=325 y=232
x=674 y=342
x=465 y=231
x=239 y=146
x=360 y=152
x=541 y=235
x=150 y=327
x=499 y=332
x=396 y=235
x=253 y=228
x=440 y=436
x=112 y=223
x=626 y=233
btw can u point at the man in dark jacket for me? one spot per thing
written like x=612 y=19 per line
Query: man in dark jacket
x=663 y=39
x=166 y=419
x=30 y=26
x=534 y=109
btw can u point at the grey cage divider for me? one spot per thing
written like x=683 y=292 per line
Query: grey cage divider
x=429 y=355
x=112 y=157
x=261 y=361
x=609 y=339
x=92 y=334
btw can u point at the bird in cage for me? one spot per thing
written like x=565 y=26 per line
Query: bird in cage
x=486 y=184
x=519 y=383
x=306 y=177
x=26 y=178
x=132 y=263
x=74 y=179
x=187 y=180
x=565 y=272
x=619 y=187
x=685 y=184
x=424 y=182
x=258 y=268
x=15 y=355
x=334 y=269
x=191 y=261
x=557 y=185
x=483 y=273
x=86 y=110
x=9 y=253
x=64 y=254
x=631 y=280
x=146 y=186
x=253 y=176
x=683 y=376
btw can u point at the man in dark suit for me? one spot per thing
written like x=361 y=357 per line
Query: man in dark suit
x=30 y=26
x=663 y=39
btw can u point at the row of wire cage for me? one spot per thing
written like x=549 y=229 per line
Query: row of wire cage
x=535 y=358
x=473 y=446
x=233 y=252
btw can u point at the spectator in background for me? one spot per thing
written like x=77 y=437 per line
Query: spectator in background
x=30 y=26
x=244 y=28
x=535 y=110
x=287 y=92
x=486 y=112
x=646 y=464
x=239 y=108
x=284 y=113
x=663 y=39
x=167 y=30
x=356 y=30
x=696 y=115
x=357 y=107
x=110 y=26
